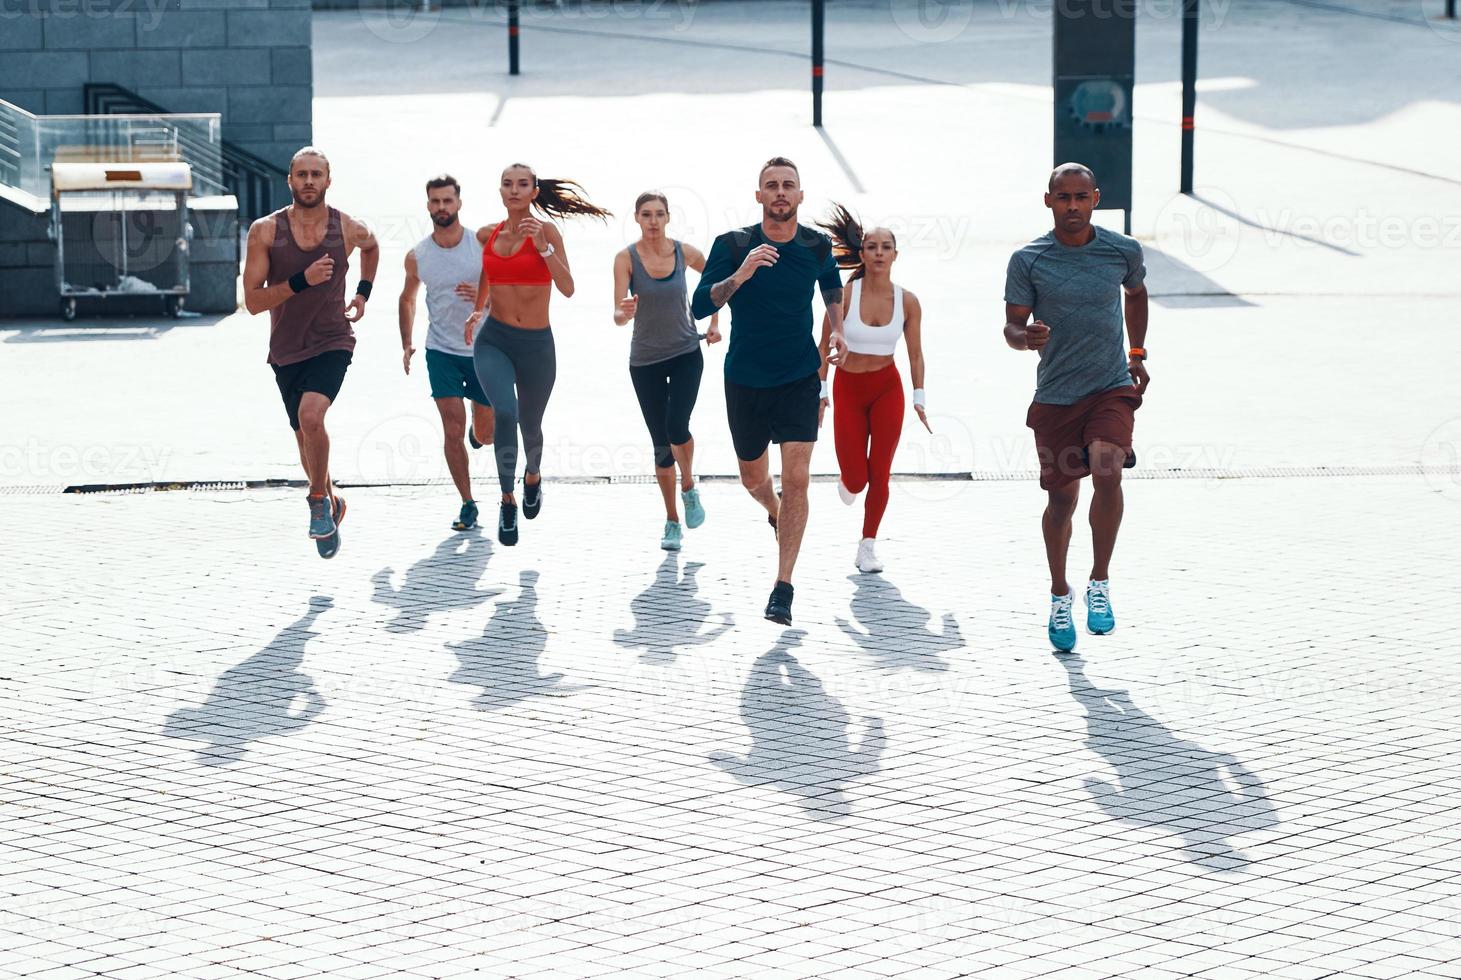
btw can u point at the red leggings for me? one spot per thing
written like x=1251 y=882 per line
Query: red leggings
x=867 y=421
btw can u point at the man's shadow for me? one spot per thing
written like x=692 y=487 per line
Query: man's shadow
x=1167 y=782
x=894 y=631
x=445 y=579
x=503 y=661
x=263 y=696
x=801 y=741
x=667 y=615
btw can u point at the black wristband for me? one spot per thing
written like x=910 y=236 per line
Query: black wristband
x=298 y=282
x=363 y=290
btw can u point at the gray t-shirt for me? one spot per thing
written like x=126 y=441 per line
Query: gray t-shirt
x=440 y=270
x=1076 y=292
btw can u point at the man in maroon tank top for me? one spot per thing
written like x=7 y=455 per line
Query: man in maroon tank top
x=296 y=267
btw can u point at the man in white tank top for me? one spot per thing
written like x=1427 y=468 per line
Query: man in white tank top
x=449 y=262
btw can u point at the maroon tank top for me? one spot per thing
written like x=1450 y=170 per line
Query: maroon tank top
x=313 y=321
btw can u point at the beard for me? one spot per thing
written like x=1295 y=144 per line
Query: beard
x=781 y=212
x=444 y=220
x=299 y=203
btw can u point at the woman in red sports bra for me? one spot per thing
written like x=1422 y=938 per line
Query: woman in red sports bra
x=523 y=259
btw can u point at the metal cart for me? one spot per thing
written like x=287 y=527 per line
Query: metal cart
x=121 y=229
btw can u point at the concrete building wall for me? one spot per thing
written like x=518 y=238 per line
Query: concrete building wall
x=249 y=60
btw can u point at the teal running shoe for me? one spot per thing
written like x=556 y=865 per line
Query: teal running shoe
x=671 y=540
x=328 y=547
x=694 y=512
x=321 y=521
x=1099 y=617
x=467 y=519
x=1062 y=623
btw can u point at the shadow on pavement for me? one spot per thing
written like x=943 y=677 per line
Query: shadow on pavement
x=801 y=740
x=667 y=615
x=503 y=661
x=1167 y=782
x=263 y=696
x=895 y=631
x=445 y=579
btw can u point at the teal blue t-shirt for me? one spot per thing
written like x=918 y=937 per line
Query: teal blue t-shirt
x=771 y=340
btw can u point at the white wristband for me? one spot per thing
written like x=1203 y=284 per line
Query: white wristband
x=825 y=390
x=919 y=398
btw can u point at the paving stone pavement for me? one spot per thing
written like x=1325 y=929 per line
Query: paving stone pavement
x=434 y=756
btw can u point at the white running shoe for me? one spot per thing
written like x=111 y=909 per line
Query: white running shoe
x=848 y=497
x=867 y=561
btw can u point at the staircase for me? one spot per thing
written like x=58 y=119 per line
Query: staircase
x=249 y=178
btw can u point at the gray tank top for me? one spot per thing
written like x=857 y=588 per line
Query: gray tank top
x=663 y=327
x=440 y=269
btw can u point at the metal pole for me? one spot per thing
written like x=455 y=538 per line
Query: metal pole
x=819 y=10
x=1189 y=87
x=512 y=31
x=1451 y=9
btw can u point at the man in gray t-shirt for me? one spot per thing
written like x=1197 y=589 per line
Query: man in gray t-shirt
x=1075 y=280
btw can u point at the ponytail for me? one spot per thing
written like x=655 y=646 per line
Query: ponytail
x=846 y=232
x=561 y=198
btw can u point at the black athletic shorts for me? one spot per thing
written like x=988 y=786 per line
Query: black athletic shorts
x=323 y=373
x=758 y=416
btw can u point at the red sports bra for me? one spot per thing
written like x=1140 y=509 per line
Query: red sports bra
x=525 y=267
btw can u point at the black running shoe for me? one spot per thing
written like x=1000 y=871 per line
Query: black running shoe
x=507 y=523
x=532 y=498
x=778 y=607
x=472 y=437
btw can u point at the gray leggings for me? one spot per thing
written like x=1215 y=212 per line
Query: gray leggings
x=516 y=367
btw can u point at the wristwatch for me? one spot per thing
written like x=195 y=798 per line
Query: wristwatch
x=545 y=253
x=1138 y=354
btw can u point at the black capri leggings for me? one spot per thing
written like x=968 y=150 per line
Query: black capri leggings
x=667 y=391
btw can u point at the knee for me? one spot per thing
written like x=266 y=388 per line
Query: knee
x=312 y=419
x=754 y=481
x=794 y=482
x=454 y=432
x=1063 y=501
x=1107 y=459
x=663 y=458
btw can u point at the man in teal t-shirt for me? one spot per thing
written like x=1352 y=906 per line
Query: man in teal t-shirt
x=767 y=273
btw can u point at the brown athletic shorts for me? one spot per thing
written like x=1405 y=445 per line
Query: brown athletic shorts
x=1062 y=432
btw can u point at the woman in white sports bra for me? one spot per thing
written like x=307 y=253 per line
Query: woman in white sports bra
x=867 y=407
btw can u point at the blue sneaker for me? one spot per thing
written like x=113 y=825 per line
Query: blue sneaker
x=694 y=512
x=321 y=521
x=1062 y=625
x=1099 y=617
x=671 y=540
x=328 y=547
x=507 y=523
x=467 y=519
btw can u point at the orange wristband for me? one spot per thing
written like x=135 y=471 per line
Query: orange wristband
x=1138 y=352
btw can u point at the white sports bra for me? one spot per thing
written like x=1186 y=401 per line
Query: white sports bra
x=864 y=339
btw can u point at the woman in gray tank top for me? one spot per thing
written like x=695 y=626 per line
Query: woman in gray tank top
x=665 y=362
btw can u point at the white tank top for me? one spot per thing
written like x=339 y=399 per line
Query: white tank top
x=863 y=339
x=440 y=269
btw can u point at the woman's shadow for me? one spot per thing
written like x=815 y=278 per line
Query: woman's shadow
x=667 y=615
x=895 y=631
x=263 y=696
x=1167 y=782
x=445 y=579
x=801 y=741
x=503 y=661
